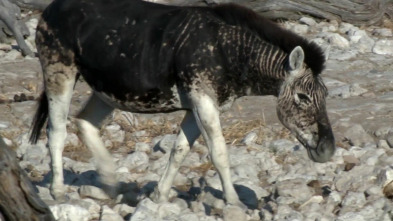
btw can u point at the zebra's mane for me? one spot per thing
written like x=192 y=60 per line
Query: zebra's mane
x=271 y=32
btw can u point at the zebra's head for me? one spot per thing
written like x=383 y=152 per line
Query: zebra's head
x=302 y=108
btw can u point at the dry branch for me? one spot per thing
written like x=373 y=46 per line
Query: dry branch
x=18 y=199
x=358 y=12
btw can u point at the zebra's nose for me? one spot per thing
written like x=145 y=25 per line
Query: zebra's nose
x=325 y=148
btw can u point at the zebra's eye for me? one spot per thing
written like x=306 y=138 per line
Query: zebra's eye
x=301 y=98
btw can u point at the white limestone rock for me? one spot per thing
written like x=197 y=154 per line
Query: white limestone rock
x=108 y=214
x=250 y=138
x=115 y=133
x=354 y=199
x=308 y=21
x=300 y=29
x=146 y=210
x=137 y=160
x=92 y=192
x=383 y=47
x=296 y=189
x=69 y=212
x=90 y=205
x=142 y=147
x=285 y=212
x=282 y=146
x=168 y=211
x=167 y=142
x=383 y=32
x=124 y=209
x=346 y=91
x=188 y=217
x=72 y=140
x=336 y=40
x=385 y=176
x=350 y=216
x=234 y=213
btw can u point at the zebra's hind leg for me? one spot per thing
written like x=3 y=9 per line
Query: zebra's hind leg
x=59 y=83
x=60 y=72
x=186 y=137
x=88 y=121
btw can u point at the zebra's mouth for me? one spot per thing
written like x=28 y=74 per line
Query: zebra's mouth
x=323 y=151
x=320 y=147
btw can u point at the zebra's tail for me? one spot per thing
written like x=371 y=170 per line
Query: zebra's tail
x=39 y=119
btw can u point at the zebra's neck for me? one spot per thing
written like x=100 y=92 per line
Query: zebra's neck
x=260 y=66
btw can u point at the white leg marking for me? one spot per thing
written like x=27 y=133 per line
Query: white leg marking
x=88 y=120
x=207 y=116
x=188 y=133
x=58 y=111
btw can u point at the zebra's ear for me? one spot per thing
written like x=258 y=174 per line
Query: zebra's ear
x=296 y=58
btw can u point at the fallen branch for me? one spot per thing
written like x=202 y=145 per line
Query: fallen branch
x=18 y=199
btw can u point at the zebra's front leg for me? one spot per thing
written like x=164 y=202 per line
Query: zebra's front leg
x=207 y=115
x=88 y=121
x=186 y=137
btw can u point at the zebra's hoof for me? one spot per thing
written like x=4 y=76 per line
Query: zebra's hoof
x=157 y=197
x=238 y=203
x=59 y=195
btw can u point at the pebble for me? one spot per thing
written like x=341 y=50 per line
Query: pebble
x=167 y=142
x=108 y=214
x=142 y=147
x=146 y=210
x=296 y=189
x=383 y=32
x=347 y=91
x=308 y=21
x=350 y=216
x=385 y=176
x=90 y=205
x=354 y=199
x=92 y=192
x=383 y=47
x=115 y=133
x=383 y=131
x=72 y=140
x=69 y=212
x=250 y=138
x=337 y=40
x=357 y=136
x=124 y=209
x=234 y=213
x=137 y=160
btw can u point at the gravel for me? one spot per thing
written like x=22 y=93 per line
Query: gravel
x=270 y=169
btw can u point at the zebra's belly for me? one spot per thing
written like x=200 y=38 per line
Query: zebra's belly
x=149 y=103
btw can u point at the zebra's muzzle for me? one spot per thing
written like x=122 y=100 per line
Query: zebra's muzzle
x=326 y=145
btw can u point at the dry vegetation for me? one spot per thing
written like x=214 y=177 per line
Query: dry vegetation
x=140 y=129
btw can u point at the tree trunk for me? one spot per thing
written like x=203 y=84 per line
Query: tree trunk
x=358 y=12
x=18 y=199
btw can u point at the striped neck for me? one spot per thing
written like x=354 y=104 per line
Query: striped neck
x=259 y=64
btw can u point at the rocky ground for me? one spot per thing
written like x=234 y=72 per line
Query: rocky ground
x=270 y=169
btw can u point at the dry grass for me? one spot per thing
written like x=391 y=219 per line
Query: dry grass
x=234 y=133
x=203 y=168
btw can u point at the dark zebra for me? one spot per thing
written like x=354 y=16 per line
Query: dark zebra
x=149 y=58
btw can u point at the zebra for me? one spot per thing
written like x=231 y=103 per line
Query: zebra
x=144 y=57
